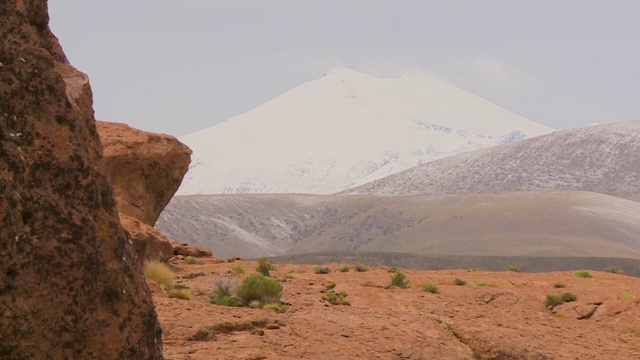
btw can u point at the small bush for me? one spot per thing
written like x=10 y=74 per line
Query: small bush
x=559 y=285
x=393 y=269
x=568 y=297
x=190 y=260
x=160 y=273
x=553 y=300
x=329 y=285
x=459 y=282
x=361 y=268
x=184 y=294
x=583 y=274
x=238 y=270
x=429 y=287
x=322 y=270
x=223 y=293
x=613 y=270
x=335 y=298
x=558 y=315
x=513 y=268
x=264 y=266
x=259 y=287
x=400 y=280
x=344 y=269
x=279 y=308
x=480 y=283
x=626 y=297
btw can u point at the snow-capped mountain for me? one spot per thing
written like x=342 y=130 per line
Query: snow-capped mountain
x=343 y=130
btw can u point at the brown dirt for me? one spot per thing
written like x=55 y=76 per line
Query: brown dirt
x=504 y=319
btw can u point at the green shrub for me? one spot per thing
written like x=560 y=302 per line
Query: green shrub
x=264 y=266
x=361 y=268
x=553 y=300
x=335 y=298
x=480 y=283
x=160 y=273
x=344 y=269
x=513 y=268
x=223 y=293
x=238 y=270
x=459 y=282
x=559 y=285
x=613 y=270
x=259 y=287
x=584 y=274
x=429 y=287
x=329 y=285
x=568 y=297
x=400 y=280
x=322 y=270
x=393 y=269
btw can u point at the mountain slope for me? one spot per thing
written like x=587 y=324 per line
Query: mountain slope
x=343 y=130
x=604 y=159
x=539 y=223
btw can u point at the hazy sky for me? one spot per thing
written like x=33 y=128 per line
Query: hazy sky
x=179 y=66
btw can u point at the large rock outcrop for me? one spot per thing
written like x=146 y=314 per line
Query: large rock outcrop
x=70 y=284
x=145 y=170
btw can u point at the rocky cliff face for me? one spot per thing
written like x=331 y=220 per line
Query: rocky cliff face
x=70 y=284
x=145 y=170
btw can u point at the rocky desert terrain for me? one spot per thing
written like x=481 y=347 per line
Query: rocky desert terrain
x=495 y=315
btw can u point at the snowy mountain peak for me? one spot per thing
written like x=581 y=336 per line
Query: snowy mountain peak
x=342 y=130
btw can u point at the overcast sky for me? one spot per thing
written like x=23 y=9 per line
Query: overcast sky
x=180 y=66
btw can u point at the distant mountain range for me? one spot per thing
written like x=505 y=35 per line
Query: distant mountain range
x=344 y=130
x=602 y=158
x=569 y=193
x=541 y=223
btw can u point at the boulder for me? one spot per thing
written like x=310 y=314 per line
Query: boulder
x=185 y=249
x=145 y=169
x=148 y=242
x=71 y=286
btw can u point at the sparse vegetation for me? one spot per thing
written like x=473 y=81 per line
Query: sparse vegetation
x=558 y=315
x=223 y=293
x=190 y=260
x=626 y=297
x=238 y=270
x=568 y=297
x=480 y=283
x=160 y=273
x=344 y=269
x=429 y=287
x=329 y=285
x=181 y=293
x=552 y=300
x=322 y=270
x=361 y=268
x=335 y=298
x=613 y=270
x=559 y=285
x=265 y=266
x=393 y=269
x=513 y=268
x=583 y=274
x=459 y=282
x=259 y=287
x=400 y=280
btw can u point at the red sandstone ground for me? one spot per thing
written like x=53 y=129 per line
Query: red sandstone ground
x=504 y=319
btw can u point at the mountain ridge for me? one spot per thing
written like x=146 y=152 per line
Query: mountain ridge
x=602 y=158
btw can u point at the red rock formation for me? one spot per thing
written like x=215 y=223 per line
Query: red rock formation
x=70 y=284
x=145 y=169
